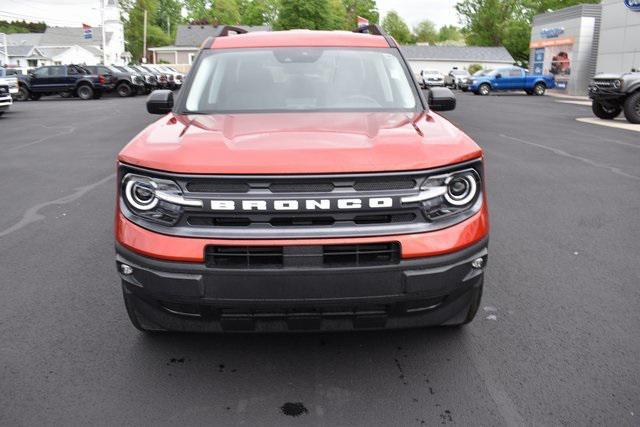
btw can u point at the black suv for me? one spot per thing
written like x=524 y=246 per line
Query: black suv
x=63 y=79
x=125 y=83
x=612 y=94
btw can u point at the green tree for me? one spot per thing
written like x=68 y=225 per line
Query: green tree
x=134 y=28
x=197 y=10
x=258 y=12
x=449 y=32
x=367 y=9
x=397 y=28
x=169 y=15
x=337 y=19
x=309 y=14
x=426 y=32
x=474 y=67
x=225 y=12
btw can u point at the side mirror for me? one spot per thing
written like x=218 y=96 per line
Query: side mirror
x=160 y=102
x=441 y=99
x=498 y=76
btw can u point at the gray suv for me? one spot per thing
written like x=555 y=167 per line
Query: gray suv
x=611 y=94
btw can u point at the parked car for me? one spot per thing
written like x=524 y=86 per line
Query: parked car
x=5 y=98
x=161 y=76
x=613 y=93
x=125 y=83
x=177 y=76
x=464 y=85
x=430 y=78
x=63 y=79
x=510 y=79
x=247 y=222
x=456 y=78
x=150 y=81
x=10 y=80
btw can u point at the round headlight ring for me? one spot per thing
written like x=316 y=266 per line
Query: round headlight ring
x=141 y=194
x=456 y=194
x=617 y=84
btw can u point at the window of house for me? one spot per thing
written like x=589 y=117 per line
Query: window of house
x=192 y=57
x=31 y=62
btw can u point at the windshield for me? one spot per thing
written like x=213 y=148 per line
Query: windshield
x=300 y=79
x=481 y=72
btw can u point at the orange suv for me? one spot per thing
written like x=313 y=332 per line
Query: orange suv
x=300 y=181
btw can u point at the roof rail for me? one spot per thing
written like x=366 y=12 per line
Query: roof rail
x=223 y=31
x=376 y=30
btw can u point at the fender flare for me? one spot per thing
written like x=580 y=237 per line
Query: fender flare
x=83 y=82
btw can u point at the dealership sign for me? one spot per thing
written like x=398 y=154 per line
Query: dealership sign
x=549 y=33
x=633 y=4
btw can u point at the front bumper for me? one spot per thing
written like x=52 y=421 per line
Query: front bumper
x=605 y=94
x=187 y=296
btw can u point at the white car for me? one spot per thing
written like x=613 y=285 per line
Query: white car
x=9 y=80
x=5 y=98
x=430 y=78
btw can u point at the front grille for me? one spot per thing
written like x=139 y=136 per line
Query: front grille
x=299 y=220
x=604 y=83
x=318 y=185
x=321 y=256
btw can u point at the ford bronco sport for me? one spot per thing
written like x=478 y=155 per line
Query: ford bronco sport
x=300 y=182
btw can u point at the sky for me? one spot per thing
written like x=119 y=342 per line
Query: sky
x=75 y=12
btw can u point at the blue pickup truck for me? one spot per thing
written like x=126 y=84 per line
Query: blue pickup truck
x=511 y=78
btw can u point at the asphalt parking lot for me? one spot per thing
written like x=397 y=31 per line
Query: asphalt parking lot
x=556 y=340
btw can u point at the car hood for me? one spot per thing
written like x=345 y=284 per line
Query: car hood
x=299 y=143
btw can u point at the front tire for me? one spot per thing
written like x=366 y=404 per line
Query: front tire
x=23 y=94
x=484 y=89
x=632 y=108
x=85 y=92
x=604 y=112
x=539 y=89
x=124 y=90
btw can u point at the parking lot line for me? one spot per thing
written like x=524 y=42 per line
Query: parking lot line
x=585 y=103
x=618 y=123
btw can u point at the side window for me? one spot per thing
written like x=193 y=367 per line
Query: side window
x=42 y=72
x=104 y=70
x=56 y=71
x=515 y=72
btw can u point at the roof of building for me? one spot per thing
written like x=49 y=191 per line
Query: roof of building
x=458 y=53
x=194 y=35
x=19 y=50
x=69 y=36
x=25 y=39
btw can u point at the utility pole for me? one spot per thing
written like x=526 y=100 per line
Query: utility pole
x=144 y=38
x=104 y=52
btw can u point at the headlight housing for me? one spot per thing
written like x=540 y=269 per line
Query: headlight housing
x=451 y=197
x=617 y=84
x=154 y=199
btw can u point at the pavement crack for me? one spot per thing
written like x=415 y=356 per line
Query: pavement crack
x=559 y=152
x=32 y=214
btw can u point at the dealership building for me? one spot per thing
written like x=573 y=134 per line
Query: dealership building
x=580 y=41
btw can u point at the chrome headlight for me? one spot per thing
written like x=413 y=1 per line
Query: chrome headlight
x=156 y=200
x=451 y=197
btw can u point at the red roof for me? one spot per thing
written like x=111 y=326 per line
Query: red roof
x=295 y=38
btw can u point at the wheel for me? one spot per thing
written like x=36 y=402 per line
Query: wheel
x=605 y=112
x=632 y=108
x=85 y=92
x=484 y=89
x=124 y=90
x=539 y=89
x=34 y=96
x=23 y=94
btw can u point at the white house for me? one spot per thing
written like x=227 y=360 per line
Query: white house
x=68 y=45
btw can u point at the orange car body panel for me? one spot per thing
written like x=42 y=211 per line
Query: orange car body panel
x=299 y=38
x=188 y=249
x=299 y=143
